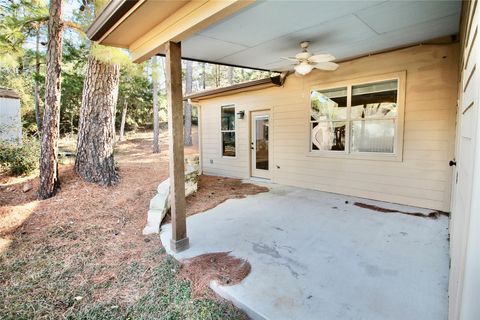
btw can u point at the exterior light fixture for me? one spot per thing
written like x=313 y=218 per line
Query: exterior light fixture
x=303 y=68
x=240 y=114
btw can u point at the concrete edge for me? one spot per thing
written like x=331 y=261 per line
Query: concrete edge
x=220 y=290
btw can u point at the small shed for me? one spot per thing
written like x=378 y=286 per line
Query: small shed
x=10 y=116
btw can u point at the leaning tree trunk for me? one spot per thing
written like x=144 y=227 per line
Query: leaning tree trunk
x=124 y=118
x=96 y=132
x=156 y=124
x=49 y=181
x=187 y=134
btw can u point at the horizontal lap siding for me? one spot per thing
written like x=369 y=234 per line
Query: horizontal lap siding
x=422 y=179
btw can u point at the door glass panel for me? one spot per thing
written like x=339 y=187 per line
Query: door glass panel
x=261 y=143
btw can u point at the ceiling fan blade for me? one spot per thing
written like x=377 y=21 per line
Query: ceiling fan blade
x=329 y=66
x=321 y=58
x=289 y=58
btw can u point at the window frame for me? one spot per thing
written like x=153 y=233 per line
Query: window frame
x=397 y=155
x=234 y=130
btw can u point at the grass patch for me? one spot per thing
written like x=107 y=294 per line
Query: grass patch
x=42 y=287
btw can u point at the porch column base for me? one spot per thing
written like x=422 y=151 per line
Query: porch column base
x=179 y=245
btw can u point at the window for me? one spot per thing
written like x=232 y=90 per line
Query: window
x=355 y=118
x=228 y=131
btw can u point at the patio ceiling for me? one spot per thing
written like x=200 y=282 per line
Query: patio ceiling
x=257 y=35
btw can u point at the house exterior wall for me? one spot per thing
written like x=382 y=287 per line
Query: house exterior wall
x=419 y=177
x=10 y=120
x=464 y=286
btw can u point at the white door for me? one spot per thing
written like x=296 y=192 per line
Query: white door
x=260 y=144
x=464 y=287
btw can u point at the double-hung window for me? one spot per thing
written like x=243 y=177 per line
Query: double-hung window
x=356 y=119
x=228 y=131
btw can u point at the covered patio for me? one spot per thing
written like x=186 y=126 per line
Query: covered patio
x=318 y=255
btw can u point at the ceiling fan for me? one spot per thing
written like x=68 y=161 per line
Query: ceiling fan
x=306 y=61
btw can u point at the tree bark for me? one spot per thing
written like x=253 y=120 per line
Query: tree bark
x=156 y=124
x=36 y=87
x=124 y=117
x=49 y=181
x=96 y=132
x=187 y=134
x=230 y=75
x=217 y=76
x=204 y=76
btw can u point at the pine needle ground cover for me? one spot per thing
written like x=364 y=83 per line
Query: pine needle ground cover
x=81 y=254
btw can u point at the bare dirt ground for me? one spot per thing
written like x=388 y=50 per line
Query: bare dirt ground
x=81 y=254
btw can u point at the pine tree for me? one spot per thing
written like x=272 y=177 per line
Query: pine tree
x=49 y=181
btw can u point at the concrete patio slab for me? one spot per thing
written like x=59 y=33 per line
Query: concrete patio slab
x=316 y=255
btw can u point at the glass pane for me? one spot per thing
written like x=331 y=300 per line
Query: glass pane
x=373 y=136
x=375 y=100
x=228 y=144
x=329 y=104
x=228 y=118
x=328 y=135
x=261 y=143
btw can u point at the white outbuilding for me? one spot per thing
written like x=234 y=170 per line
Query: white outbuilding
x=10 y=116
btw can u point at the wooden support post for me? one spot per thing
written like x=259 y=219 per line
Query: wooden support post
x=179 y=241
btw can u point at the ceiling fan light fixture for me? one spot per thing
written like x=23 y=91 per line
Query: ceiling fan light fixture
x=303 y=68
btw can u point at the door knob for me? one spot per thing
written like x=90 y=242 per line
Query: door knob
x=452 y=163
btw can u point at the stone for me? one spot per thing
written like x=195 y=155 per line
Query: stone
x=27 y=187
x=160 y=204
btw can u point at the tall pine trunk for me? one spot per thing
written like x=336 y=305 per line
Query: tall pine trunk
x=37 y=84
x=124 y=118
x=187 y=106
x=49 y=181
x=156 y=124
x=96 y=132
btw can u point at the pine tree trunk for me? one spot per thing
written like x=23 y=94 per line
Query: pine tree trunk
x=96 y=132
x=124 y=117
x=204 y=76
x=187 y=106
x=36 y=87
x=156 y=125
x=230 y=75
x=217 y=76
x=49 y=181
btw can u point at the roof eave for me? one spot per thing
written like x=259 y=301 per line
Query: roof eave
x=113 y=12
x=240 y=87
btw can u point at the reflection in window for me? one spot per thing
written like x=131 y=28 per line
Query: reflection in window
x=328 y=114
x=328 y=135
x=368 y=122
x=375 y=105
x=373 y=136
x=228 y=131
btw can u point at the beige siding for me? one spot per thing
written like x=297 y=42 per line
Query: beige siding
x=422 y=178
